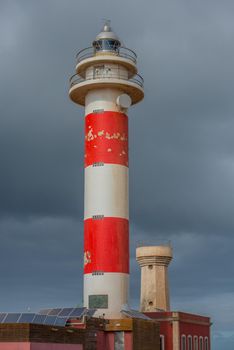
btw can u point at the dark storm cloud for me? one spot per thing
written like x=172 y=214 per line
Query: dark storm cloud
x=41 y=263
x=181 y=148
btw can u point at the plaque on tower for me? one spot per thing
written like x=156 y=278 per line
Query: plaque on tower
x=98 y=301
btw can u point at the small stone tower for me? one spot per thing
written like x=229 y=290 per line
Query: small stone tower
x=154 y=261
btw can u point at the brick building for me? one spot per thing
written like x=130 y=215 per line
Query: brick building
x=182 y=331
x=93 y=334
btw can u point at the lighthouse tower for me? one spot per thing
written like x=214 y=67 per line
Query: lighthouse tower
x=106 y=83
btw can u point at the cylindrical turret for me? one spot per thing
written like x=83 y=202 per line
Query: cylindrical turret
x=107 y=84
x=154 y=261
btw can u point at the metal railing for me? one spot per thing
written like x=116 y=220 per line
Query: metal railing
x=112 y=74
x=156 y=241
x=121 y=51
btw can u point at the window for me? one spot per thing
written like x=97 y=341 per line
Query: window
x=190 y=343
x=183 y=342
x=106 y=45
x=118 y=340
x=201 y=343
x=206 y=343
x=195 y=342
x=162 y=342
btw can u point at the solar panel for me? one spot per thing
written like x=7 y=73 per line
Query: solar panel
x=90 y=312
x=61 y=321
x=39 y=319
x=26 y=318
x=54 y=312
x=2 y=316
x=65 y=312
x=77 y=312
x=50 y=320
x=12 y=318
x=135 y=314
x=44 y=311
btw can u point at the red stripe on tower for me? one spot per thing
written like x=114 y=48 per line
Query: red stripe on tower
x=106 y=245
x=106 y=138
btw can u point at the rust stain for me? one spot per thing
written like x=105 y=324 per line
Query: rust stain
x=101 y=133
x=87 y=258
x=90 y=136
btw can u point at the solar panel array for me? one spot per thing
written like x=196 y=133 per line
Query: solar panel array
x=59 y=316
x=51 y=317
x=135 y=314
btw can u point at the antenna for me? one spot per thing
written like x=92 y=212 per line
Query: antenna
x=106 y=26
x=106 y=21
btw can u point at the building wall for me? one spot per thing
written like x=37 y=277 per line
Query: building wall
x=106 y=340
x=145 y=335
x=194 y=325
x=14 y=346
x=51 y=346
x=166 y=331
x=139 y=334
x=38 y=346
x=174 y=325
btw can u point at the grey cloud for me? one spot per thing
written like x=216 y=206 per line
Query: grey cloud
x=181 y=147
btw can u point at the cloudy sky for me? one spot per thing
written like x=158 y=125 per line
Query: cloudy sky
x=181 y=150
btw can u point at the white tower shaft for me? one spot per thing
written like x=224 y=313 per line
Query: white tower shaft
x=107 y=84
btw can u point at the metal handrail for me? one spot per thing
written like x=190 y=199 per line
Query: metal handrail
x=121 y=52
x=137 y=79
x=158 y=241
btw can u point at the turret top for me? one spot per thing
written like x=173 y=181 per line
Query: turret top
x=107 y=40
x=107 y=33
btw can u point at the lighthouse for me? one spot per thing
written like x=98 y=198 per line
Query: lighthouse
x=106 y=83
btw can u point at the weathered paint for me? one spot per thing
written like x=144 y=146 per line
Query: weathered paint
x=115 y=285
x=106 y=245
x=109 y=70
x=106 y=138
x=106 y=191
x=106 y=226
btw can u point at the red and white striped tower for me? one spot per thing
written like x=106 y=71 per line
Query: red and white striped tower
x=107 y=84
